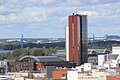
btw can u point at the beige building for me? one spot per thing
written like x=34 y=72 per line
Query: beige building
x=95 y=75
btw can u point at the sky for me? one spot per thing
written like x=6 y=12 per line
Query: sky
x=48 y=18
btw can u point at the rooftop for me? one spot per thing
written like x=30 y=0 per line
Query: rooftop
x=41 y=58
x=96 y=51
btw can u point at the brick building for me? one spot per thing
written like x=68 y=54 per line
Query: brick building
x=116 y=77
x=21 y=66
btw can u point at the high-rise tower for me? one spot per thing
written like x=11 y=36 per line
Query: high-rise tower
x=76 y=39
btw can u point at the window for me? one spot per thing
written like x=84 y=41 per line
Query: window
x=63 y=76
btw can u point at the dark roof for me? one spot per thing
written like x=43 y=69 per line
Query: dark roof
x=49 y=58
x=113 y=56
x=96 y=51
x=42 y=58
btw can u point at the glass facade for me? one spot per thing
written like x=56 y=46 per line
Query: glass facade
x=83 y=45
x=79 y=40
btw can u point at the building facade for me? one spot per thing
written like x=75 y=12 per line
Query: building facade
x=76 y=39
x=64 y=75
x=21 y=66
x=114 y=77
x=116 y=49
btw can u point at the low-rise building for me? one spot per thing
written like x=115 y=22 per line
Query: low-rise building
x=116 y=49
x=65 y=74
x=36 y=63
x=21 y=66
x=115 y=76
x=93 y=56
x=59 y=74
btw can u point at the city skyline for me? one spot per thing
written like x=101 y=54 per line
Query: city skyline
x=48 y=18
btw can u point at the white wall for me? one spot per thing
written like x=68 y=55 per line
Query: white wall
x=116 y=50
x=101 y=60
x=4 y=64
x=67 y=43
x=87 y=66
x=114 y=63
x=107 y=66
x=72 y=75
x=80 y=68
x=20 y=78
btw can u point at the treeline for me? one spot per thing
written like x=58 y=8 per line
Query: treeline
x=17 y=45
x=103 y=44
x=18 y=53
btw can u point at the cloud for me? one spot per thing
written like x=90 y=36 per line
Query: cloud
x=2 y=8
x=89 y=13
x=53 y=14
x=28 y=15
x=95 y=1
x=40 y=1
x=47 y=1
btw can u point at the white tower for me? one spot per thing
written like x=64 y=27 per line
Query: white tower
x=67 y=43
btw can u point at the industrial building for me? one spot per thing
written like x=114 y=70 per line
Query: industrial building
x=21 y=66
x=36 y=63
x=113 y=59
x=76 y=39
x=94 y=54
